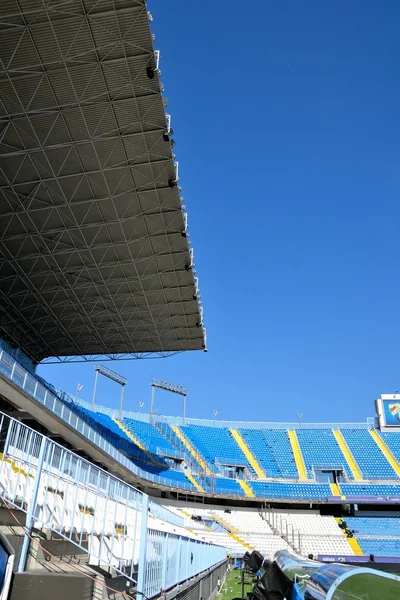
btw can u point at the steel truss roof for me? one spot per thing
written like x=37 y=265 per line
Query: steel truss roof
x=94 y=258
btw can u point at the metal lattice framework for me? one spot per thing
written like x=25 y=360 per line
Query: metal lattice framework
x=94 y=255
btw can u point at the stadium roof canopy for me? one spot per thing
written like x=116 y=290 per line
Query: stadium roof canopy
x=94 y=258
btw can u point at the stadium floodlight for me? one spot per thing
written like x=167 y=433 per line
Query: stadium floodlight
x=299 y=416
x=78 y=389
x=168 y=386
x=141 y=404
x=215 y=413
x=150 y=72
x=122 y=381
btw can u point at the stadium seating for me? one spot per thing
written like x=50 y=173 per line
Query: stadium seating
x=378 y=535
x=380 y=546
x=108 y=428
x=151 y=438
x=164 y=451
x=210 y=530
x=152 y=463
x=360 y=489
x=313 y=533
x=291 y=491
x=223 y=485
x=253 y=530
x=392 y=441
x=272 y=449
x=321 y=451
x=178 y=478
x=217 y=446
x=256 y=440
x=370 y=459
x=374 y=526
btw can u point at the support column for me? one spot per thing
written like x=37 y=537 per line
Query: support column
x=32 y=507
x=165 y=563
x=95 y=387
x=178 y=562
x=121 y=399
x=152 y=403
x=143 y=545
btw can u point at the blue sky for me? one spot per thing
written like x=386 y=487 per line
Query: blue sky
x=287 y=129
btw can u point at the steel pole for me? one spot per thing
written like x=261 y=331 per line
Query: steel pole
x=141 y=579
x=184 y=411
x=152 y=403
x=30 y=517
x=121 y=398
x=94 y=389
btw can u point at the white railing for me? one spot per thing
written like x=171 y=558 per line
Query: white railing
x=95 y=511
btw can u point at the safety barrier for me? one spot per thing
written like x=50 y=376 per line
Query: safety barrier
x=168 y=554
x=159 y=511
x=95 y=511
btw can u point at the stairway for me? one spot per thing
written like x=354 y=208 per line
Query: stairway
x=194 y=482
x=336 y=490
x=348 y=455
x=231 y=530
x=354 y=545
x=248 y=454
x=246 y=488
x=194 y=453
x=298 y=457
x=385 y=451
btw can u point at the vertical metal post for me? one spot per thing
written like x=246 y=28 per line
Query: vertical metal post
x=121 y=399
x=32 y=507
x=143 y=545
x=95 y=387
x=165 y=563
x=187 y=544
x=152 y=403
x=178 y=562
x=11 y=427
x=184 y=410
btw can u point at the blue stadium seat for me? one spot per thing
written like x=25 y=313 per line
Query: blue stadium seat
x=152 y=464
x=380 y=546
x=272 y=449
x=151 y=438
x=367 y=489
x=104 y=425
x=292 y=491
x=320 y=450
x=216 y=446
x=177 y=478
x=374 y=526
x=370 y=459
x=225 y=486
x=392 y=441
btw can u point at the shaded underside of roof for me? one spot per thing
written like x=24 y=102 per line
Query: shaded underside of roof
x=94 y=259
